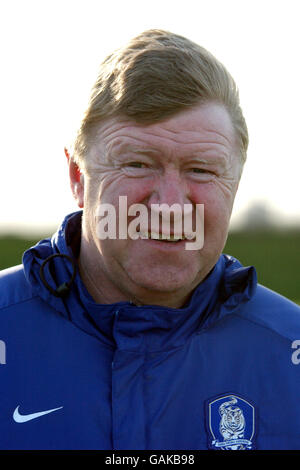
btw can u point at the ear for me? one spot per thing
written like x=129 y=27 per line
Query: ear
x=76 y=180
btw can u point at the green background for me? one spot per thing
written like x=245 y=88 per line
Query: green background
x=275 y=255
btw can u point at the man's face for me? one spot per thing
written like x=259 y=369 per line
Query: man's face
x=190 y=158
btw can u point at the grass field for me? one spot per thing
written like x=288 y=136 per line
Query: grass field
x=276 y=256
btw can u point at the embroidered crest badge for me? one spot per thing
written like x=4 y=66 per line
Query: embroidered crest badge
x=231 y=423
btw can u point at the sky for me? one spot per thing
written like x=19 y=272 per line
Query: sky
x=50 y=54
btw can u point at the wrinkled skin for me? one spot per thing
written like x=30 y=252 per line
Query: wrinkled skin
x=190 y=158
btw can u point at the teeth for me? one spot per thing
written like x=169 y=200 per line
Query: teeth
x=161 y=236
x=190 y=236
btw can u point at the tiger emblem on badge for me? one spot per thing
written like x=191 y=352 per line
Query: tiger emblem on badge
x=230 y=423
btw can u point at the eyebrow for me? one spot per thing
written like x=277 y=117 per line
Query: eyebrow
x=215 y=159
x=132 y=149
x=195 y=156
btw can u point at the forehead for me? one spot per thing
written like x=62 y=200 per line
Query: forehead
x=207 y=126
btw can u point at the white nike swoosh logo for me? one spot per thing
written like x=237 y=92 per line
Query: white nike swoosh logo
x=23 y=418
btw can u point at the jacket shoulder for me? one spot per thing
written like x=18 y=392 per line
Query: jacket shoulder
x=14 y=287
x=273 y=311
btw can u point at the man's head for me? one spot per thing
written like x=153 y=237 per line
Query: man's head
x=156 y=75
x=163 y=125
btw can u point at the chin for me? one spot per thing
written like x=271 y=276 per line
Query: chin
x=165 y=281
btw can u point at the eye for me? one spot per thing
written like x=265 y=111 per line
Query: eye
x=136 y=164
x=201 y=171
x=200 y=174
x=136 y=169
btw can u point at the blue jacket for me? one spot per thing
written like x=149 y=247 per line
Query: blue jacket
x=218 y=373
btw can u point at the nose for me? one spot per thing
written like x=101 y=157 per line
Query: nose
x=169 y=189
x=169 y=192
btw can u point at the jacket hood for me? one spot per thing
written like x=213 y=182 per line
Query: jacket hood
x=226 y=289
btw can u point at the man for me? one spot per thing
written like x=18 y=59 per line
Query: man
x=144 y=342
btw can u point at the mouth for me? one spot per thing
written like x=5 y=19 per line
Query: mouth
x=167 y=238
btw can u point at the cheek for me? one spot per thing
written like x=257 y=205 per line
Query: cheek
x=108 y=192
x=216 y=201
x=217 y=210
x=136 y=190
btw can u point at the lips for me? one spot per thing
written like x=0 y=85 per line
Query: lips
x=166 y=237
